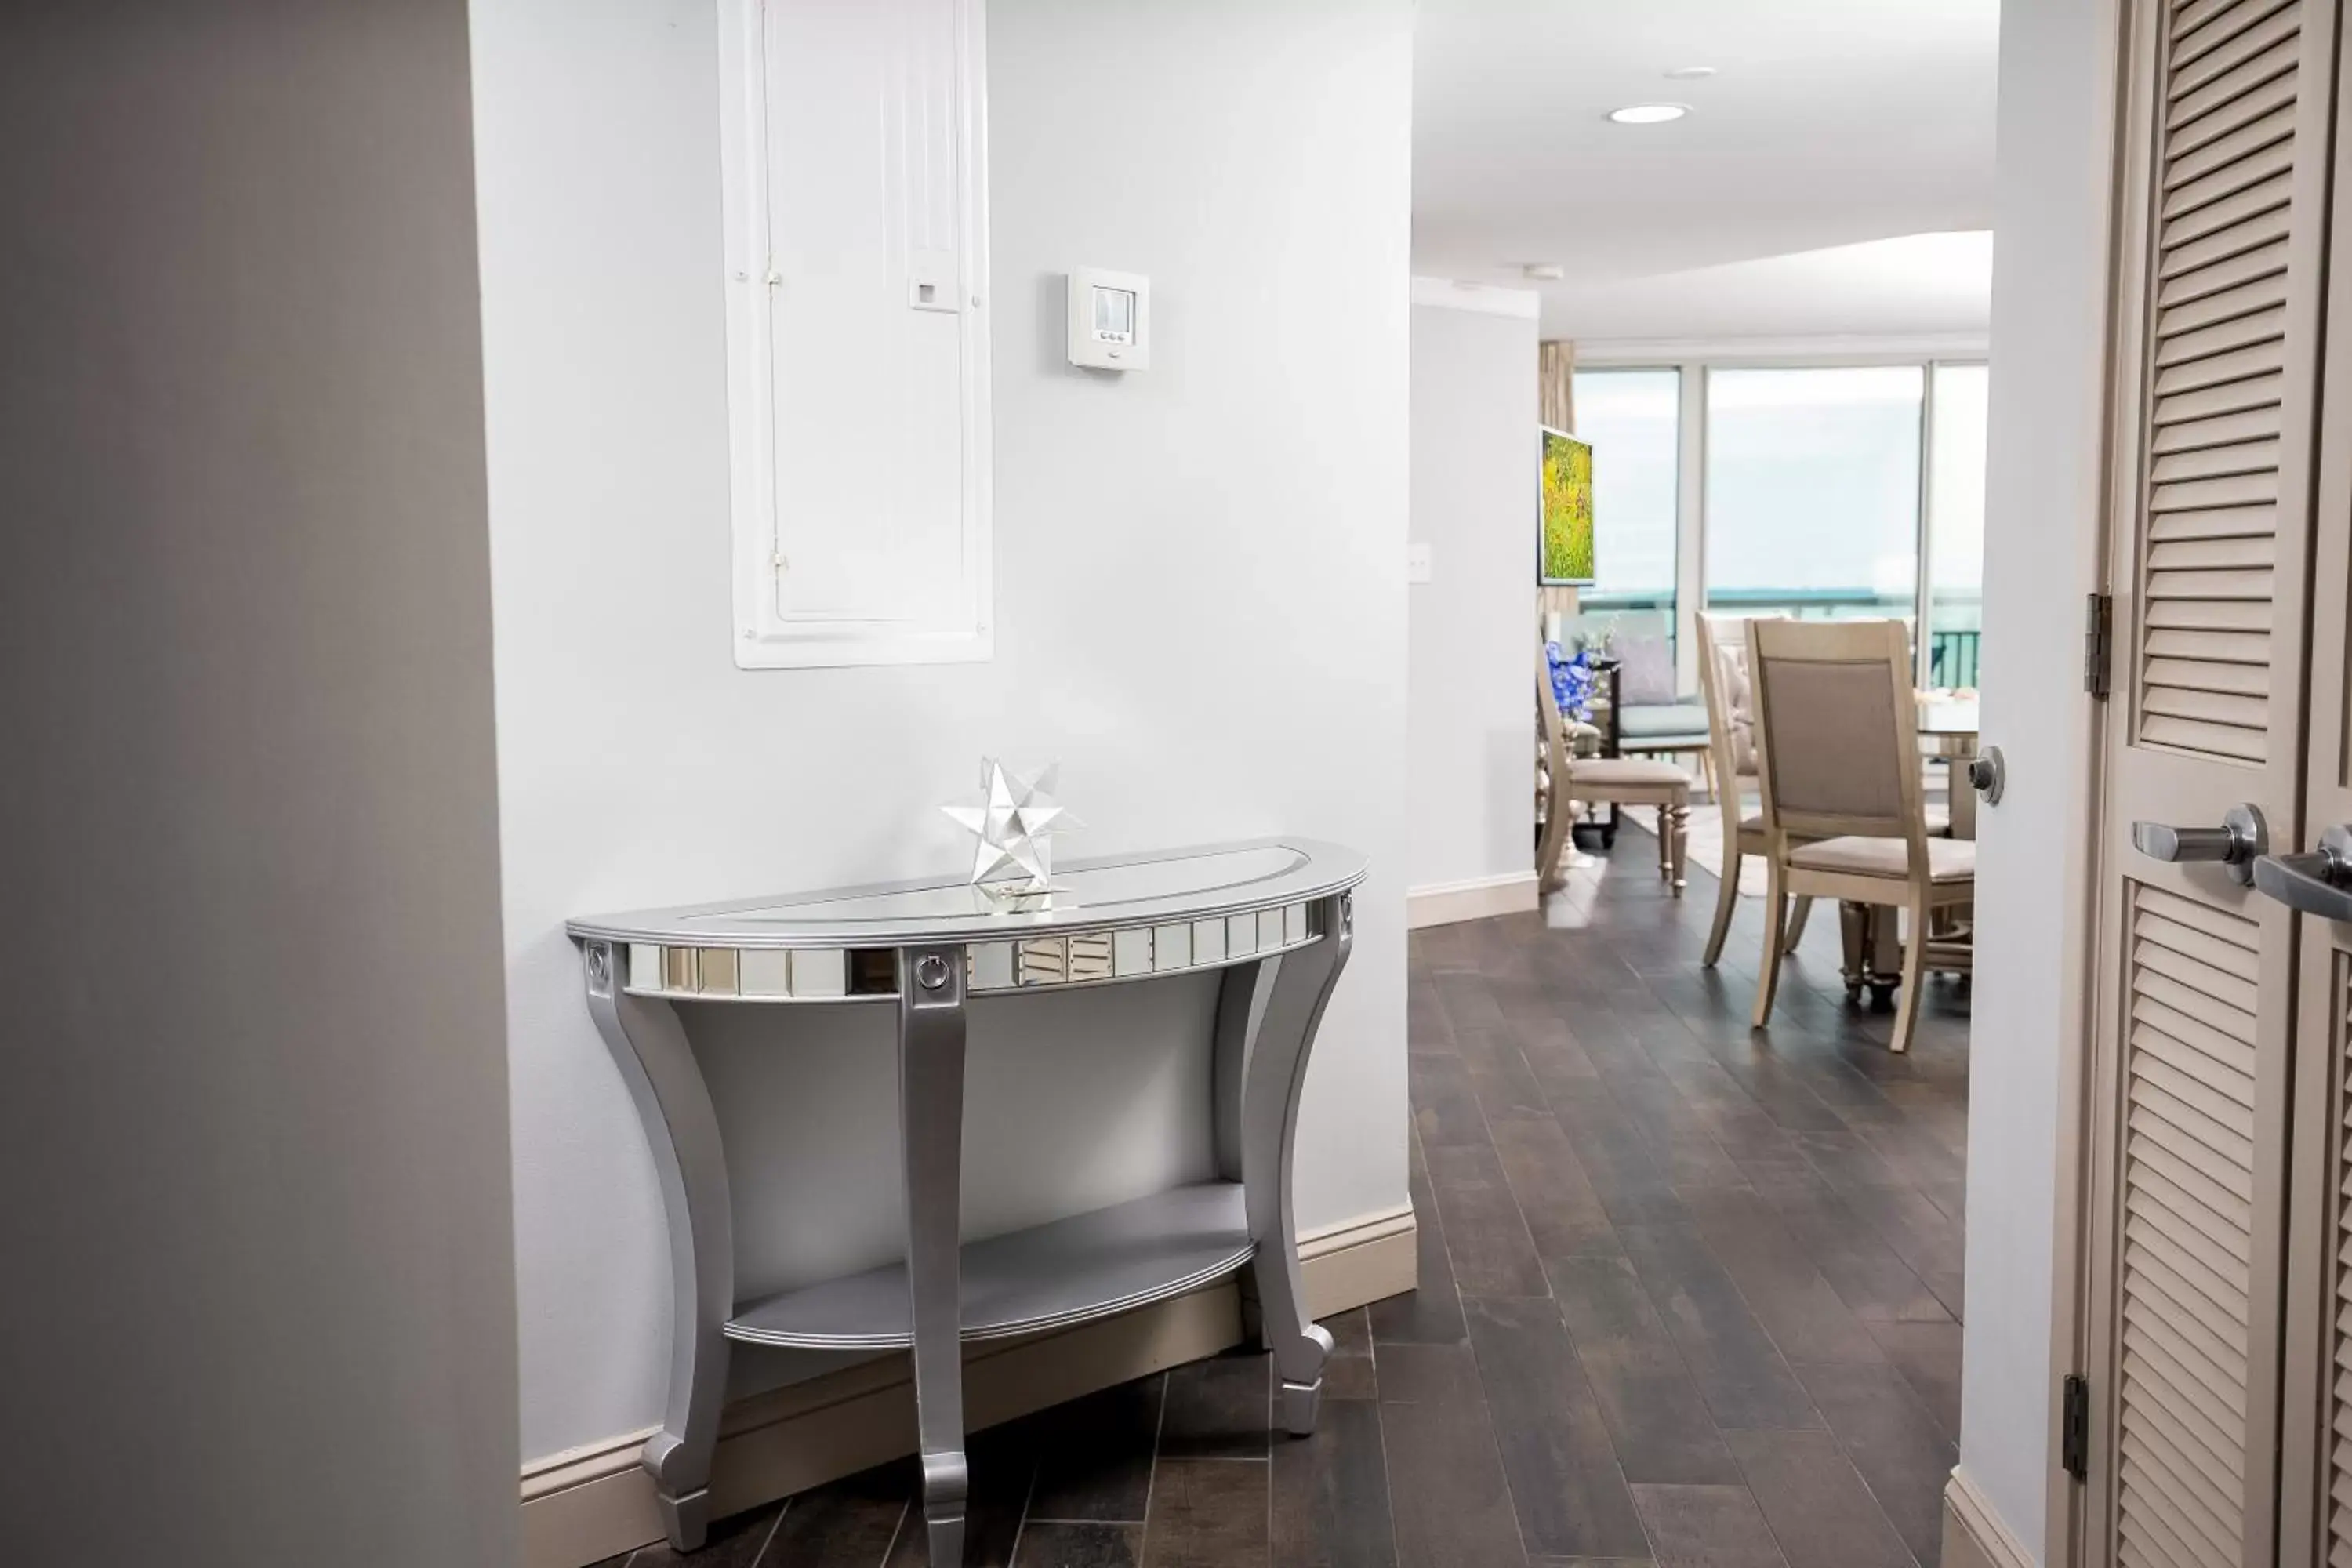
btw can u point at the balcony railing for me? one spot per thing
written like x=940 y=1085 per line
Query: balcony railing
x=1952 y=651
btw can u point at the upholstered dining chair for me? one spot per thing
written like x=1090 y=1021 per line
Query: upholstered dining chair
x=1622 y=780
x=1844 y=805
x=1731 y=743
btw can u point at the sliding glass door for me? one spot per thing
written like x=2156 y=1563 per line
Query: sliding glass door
x=1812 y=491
x=1633 y=419
x=1956 y=501
x=1821 y=491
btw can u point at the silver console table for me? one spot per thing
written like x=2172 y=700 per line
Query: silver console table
x=1273 y=915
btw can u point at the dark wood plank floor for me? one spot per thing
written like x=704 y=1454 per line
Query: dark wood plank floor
x=1688 y=1296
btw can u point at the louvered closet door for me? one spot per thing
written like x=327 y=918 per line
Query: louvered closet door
x=2226 y=135
x=2316 y=1452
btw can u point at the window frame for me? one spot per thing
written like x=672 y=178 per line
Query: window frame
x=1696 y=365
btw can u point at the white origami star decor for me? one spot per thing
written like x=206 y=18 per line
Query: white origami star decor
x=1014 y=824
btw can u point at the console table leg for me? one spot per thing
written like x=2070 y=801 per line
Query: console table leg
x=648 y=1045
x=1229 y=1062
x=1277 y=1068
x=931 y=1136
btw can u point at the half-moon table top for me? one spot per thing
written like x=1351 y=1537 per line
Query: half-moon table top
x=1108 y=893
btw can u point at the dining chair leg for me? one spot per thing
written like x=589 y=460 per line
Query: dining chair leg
x=1775 y=913
x=1560 y=828
x=1914 y=971
x=1797 y=917
x=1726 y=900
x=1677 y=825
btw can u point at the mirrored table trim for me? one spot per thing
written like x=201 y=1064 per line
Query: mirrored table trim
x=697 y=973
x=1104 y=895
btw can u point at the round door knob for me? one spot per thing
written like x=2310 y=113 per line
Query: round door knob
x=1989 y=774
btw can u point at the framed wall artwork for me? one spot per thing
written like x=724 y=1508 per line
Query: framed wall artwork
x=1564 y=546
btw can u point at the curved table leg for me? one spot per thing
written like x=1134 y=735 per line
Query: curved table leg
x=1277 y=1068
x=649 y=1047
x=930 y=1141
x=1229 y=1061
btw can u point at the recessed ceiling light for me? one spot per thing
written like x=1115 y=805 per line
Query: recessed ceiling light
x=1649 y=113
x=1544 y=271
x=1690 y=73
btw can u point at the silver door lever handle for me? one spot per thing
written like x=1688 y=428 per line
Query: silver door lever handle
x=2319 y=883
x=2242 y=839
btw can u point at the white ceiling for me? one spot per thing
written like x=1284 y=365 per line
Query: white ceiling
x=1830 y=122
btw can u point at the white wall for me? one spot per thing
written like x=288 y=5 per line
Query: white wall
x=1199 y=610
x=1470 y=780
x=2042 y=509
x=256 y=1233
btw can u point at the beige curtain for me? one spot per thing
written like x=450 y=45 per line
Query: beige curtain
x=1556 y=384
x=1555 y=407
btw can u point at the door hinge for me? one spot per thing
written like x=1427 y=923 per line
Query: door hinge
x=2074 y=1425
x=2098 y=642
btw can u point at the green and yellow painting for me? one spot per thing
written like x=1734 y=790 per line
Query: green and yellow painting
x=1566 y=509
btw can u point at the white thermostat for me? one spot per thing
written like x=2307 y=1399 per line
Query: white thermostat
x=1110 y=319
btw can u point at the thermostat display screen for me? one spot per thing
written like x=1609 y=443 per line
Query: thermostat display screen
x=1114 y=315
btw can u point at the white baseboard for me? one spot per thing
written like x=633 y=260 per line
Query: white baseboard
x=1974 y=1535
x=588 y=1504
x=1443 y=903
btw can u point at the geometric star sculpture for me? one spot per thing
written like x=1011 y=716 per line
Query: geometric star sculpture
x=1014 y=823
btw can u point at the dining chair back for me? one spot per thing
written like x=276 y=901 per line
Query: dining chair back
x=1836 y=729
x=1845 y=809
x=1730 y=703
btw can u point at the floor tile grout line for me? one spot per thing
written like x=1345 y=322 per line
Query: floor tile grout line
x=1462 y=1297
x=1669 y=1008
x=1739 y=1291
x=1663 y=1308
x=1021 y=1525
x=896 y=1531
x=1616 y=1460
x=1381 y=1419
x=1787 y=1558
x=1908 y=1389
x=1151 y=1480
x=1487 y=1122
x=769 y=1541
x=1847 y=1450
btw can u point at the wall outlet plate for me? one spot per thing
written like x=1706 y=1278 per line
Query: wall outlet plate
x=1417 y=564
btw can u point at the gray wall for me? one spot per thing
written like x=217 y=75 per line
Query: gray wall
x=255 y=1231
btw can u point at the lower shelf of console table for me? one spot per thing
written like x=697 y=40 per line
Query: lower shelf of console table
x=1274 y=918
x=1048 y=1276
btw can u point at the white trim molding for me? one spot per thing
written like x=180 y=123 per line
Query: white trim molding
x=1450 y=295
x=1974 y=1535
x=1475 y=898
x=589 y=1503
x=1594 y=353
